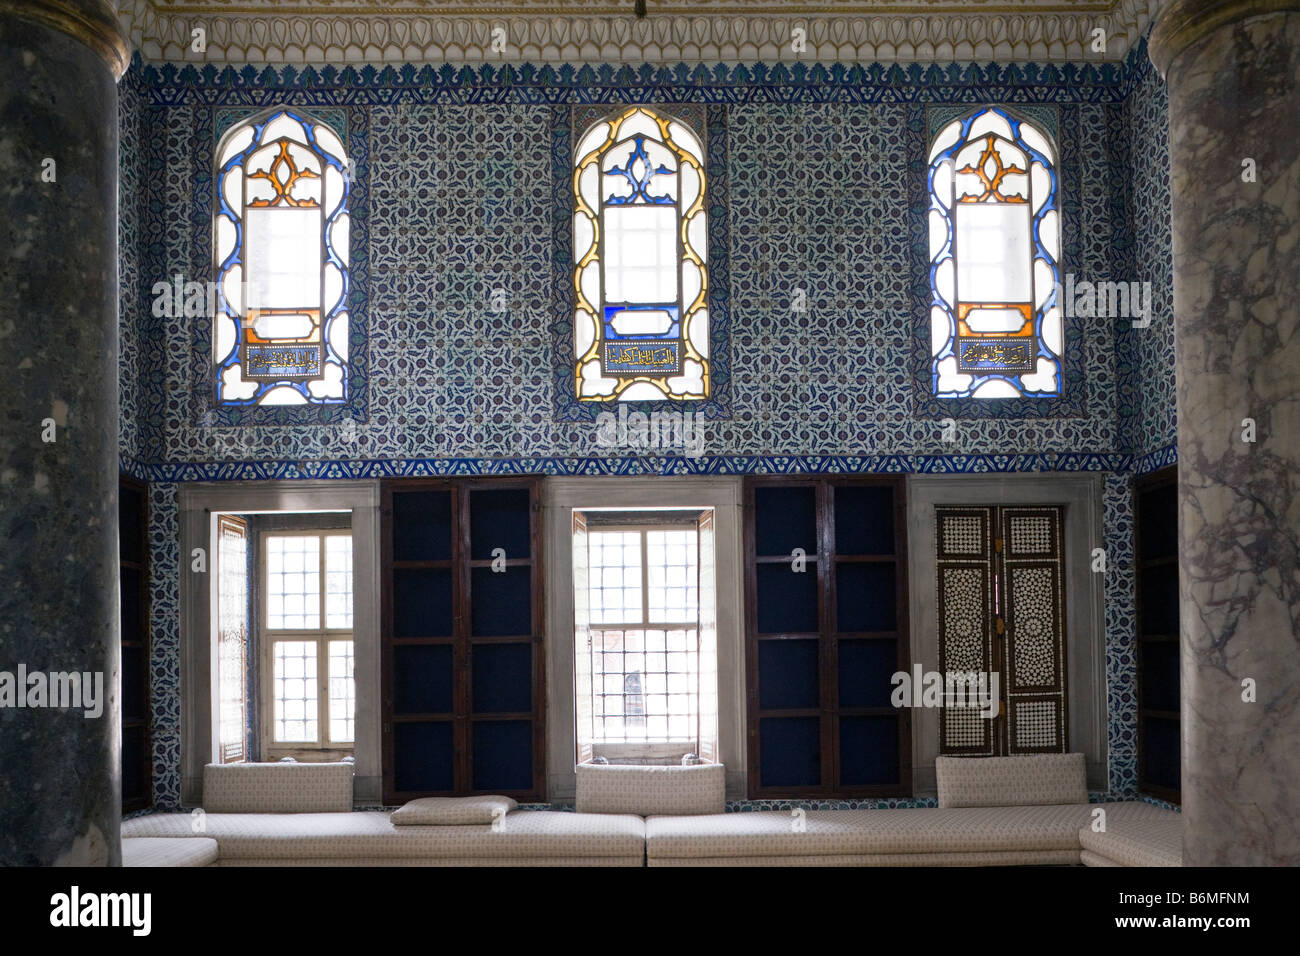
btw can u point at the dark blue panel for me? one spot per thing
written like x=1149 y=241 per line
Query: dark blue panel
x=134 y=768
x=134 y=682
x=788 y=674
x=132 y=606
x=786 y=599
x=790 y=751
x=421 y=525
x=1158 y=666
x=865 y=671
x=503 y=678
x=785 y=519
x=1158 y=598
x=1161 y=757
x=500 y=519
x=422 y=679
x=1158 y=522
x=130 y=511
x=503 y=755
x=864 y=519
x=865 y=598
x=423 y=756
x=868 y=751
x=422 y=602
x=501 y=602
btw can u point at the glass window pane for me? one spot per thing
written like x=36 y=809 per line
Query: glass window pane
x=292 y=582
x=294 y=698
x=342 y=703
x=338 y=581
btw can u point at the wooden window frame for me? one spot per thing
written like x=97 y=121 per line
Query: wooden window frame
x=828 y=711
x=323 y=746
x=654 y=749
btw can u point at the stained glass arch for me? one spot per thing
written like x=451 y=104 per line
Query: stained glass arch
x=995 y=239
x=640 y=250
x=280 y=241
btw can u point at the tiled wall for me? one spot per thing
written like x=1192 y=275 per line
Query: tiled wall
x=1147 y=408
x=463 y=188
x=131 y=213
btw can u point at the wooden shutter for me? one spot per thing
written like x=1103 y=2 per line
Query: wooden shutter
x=825 y=620
x=1001 y=591
x=706 y=745
x=1155 y=513
x=232 y=638
x=463 y=668
x=967 y=642
x=582 y=639
x=133 y=540
x=1033 y=607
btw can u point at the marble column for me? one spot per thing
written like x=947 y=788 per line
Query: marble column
x=1233 y=71
x=60 y=775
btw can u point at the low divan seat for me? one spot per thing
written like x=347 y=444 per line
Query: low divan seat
x=169 y=851
x=354 y=838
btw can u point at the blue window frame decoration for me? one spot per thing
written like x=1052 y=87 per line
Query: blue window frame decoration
x=995 y=247
x=640 y=249
x=280 y=240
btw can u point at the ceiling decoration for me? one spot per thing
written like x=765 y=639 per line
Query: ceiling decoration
x=342 y=32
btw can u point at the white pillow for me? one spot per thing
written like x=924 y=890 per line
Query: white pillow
x=452 y=811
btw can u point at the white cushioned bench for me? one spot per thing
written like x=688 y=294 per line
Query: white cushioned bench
x=168 y=851
x=994 y=811
x=357 y=838
x=1153 y=840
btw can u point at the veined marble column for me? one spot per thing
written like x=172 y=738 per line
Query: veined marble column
x=1233 y=70
x=60 y=774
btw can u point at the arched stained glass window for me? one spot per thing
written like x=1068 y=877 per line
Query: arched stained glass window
x=641 y=324
x=995 y=236
x=280 y=333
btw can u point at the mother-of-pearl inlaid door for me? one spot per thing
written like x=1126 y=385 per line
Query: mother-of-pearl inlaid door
x=1000 y=577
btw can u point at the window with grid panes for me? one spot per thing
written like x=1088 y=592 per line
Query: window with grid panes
x=311 y=689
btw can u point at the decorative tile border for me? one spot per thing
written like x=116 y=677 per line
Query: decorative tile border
x=679 y=29
x=648 y=465
x=173 y=84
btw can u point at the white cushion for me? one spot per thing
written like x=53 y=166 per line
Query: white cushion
x=523 y=835
x=1134 y=837
x=677 y=790
x=766 y=833
x=1032 y=781
x=453 y=811
x=169 y=851
x=277 y=787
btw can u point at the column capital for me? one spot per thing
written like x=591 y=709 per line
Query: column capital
x=1180 y=23
x=92 y=22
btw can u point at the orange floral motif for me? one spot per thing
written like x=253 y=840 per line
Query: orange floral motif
x=283 y=189
x=992 y=184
